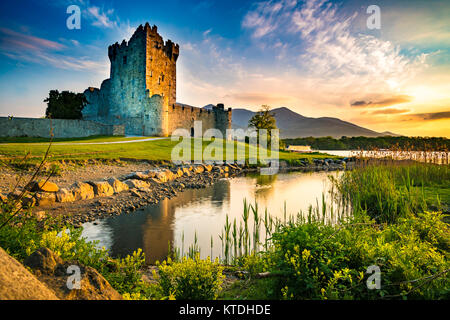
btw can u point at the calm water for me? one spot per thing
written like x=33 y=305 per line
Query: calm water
x=203 y=212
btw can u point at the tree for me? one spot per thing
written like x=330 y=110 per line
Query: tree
x=264 y=119
x=65 y=105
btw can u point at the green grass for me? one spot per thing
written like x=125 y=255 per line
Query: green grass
x=148 y=150
x=387 y=192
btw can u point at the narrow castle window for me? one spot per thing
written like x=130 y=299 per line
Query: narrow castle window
x=162 y=76
x=124 y=59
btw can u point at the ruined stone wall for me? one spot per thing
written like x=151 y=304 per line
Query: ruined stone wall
x=62 y=128
x=183 y=116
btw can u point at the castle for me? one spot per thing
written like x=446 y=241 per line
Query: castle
x=141 y=91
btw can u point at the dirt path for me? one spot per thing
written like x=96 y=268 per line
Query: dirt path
x=88 y=143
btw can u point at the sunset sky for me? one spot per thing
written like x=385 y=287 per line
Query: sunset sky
x=315 y=57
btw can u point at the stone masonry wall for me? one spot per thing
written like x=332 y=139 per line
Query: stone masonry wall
x=141 y=90
x=62 y=128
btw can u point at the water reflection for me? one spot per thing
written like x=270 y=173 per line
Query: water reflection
x=202 y=212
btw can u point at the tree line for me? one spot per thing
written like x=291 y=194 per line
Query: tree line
x=373 y=143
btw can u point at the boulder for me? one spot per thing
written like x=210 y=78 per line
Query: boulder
x=117 y=185
x=140 y=175
x=40 y=215
x=45 y=186
x=102 y=188
x=208 y=167
x=82 y=191
x=52 y=271
x=93 y=286
x=64 y=195
x=3 y=198
x=17 y=283
x=44 y=260
x=177 y=172
x=187 y=172
x=45 y=198
x=165 y=176
x=137 y=184
x=199 y=169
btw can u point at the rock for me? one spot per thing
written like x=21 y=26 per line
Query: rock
x=141 y=175
x=93 y=286
x=17 y=283
x=3 y=198
x=199 y=169
x=117 y=185
x=44 y=260
x=44 y=186
x=135 y=193
x=208 y=167
x=40 y=215
x=64 y=195
x=138 y=184
x=187 y=172
x=165 y=176
x=45 y=198
x=178 y=172
x=28 y=201
x=102 y=188
x=82 y=191
x=54 y=272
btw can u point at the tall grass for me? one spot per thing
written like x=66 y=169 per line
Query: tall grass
x=387 y=192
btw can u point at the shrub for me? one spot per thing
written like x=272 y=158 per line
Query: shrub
x=317 y=261
x=192 y=279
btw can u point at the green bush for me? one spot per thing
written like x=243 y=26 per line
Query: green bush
x=317 y=261
x=191 y=279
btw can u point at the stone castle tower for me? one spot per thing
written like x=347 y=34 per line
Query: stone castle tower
x=141 y=91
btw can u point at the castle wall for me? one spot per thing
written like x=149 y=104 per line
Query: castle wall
x=184 y=116
x=62 y=128
x=141 y=90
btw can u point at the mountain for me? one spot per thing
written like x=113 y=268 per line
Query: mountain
x=294 y=125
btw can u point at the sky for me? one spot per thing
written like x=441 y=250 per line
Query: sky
x=316 y=57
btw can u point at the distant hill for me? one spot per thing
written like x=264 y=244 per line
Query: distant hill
x=294 y=125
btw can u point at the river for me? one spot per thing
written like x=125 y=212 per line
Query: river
x=202 y=213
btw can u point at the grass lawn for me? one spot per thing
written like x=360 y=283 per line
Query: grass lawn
x=17 y=148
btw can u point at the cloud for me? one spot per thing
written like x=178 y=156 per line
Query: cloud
x=384 y=102
x=319 y=38
x=390 y=111
x=29 y=48
x=264 y=19
x=255 y=98
x=18 y=41
x=101 y=18
x=427 y=116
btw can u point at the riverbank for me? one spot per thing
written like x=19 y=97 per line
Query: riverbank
x=97 y=190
